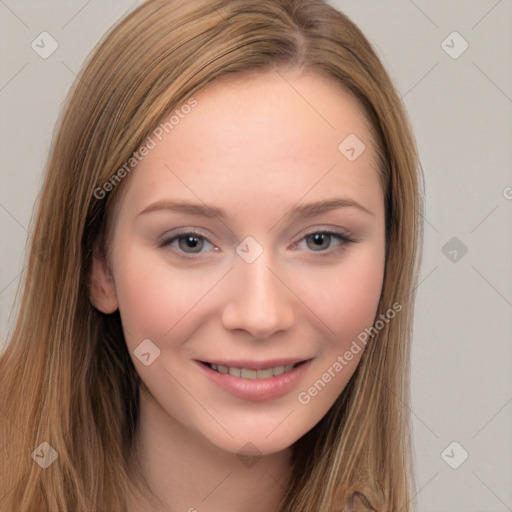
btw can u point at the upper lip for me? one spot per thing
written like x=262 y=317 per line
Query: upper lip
x=256 y=365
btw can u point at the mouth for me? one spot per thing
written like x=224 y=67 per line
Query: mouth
x=252 y=373
x=256 y=381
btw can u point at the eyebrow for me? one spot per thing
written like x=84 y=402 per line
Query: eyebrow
x=296 y=213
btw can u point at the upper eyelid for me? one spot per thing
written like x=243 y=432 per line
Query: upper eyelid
x=325 y=229
x=189 y=231
x=330 y=230
x=343 y=234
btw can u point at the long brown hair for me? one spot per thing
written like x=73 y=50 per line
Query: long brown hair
x=66 y=377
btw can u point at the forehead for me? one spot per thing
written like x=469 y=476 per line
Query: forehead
x=241 y=112
x=274 y=134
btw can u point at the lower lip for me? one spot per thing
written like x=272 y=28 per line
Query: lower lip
x=257 y=390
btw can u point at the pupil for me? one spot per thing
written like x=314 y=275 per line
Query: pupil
x=190 y=242
x=320 y=240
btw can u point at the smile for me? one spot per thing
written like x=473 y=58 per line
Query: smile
x=248 y=373
x=256 y=381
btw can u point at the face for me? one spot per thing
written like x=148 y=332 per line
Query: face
x=251 y=240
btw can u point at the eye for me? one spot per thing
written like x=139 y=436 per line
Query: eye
x=189 y=242
x=192 y=242
x=321 y=241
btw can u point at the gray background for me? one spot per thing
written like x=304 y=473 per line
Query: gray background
x=461 y=113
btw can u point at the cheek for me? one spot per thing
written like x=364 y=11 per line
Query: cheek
x=346 y=296
x=360 y=288
x=346 y=300
x=157 y=298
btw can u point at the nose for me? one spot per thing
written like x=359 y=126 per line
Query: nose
x=259 y=300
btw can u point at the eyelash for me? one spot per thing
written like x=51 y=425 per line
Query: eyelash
x=341 y=237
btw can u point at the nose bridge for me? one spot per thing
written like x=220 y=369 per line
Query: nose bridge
x=259 y=303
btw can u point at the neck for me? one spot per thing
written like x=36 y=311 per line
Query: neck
x=186 y=472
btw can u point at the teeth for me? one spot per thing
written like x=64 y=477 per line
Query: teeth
x=247 y=373
x=278 y=370
x=265 y=374
x=235 y=372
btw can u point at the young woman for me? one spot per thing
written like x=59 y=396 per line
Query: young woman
x=222 y=316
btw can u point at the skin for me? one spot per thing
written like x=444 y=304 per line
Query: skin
x=257 y=147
